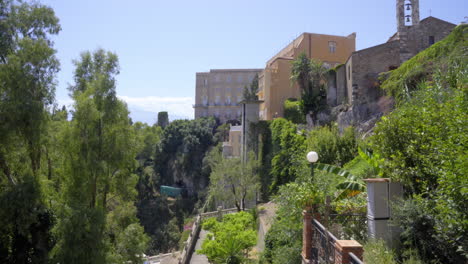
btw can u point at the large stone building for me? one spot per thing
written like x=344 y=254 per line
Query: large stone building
x=218 y=92
x=356 y=83
x=275 y=84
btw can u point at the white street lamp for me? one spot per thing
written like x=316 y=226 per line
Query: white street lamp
x=312 y=157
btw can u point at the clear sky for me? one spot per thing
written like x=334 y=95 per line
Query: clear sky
x=162 y=44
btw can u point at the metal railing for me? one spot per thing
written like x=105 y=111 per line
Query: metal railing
x=354 y=259
x=323 y=246
x=348 y=226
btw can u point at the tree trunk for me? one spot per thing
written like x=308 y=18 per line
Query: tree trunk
x=6 y=169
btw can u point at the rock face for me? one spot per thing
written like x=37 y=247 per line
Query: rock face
x=363 y=116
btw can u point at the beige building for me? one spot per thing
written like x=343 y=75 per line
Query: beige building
x=232 y=148
x=218 y=92
x=275 y=85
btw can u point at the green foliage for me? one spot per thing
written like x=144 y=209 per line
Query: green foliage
x=180 y=153
x=423 y=144
x=310 y=76
x=352 y=184
x=293 y=112
x=250 y=93
x=232 y=238
x=183 y=238
x=28 y=68
x=332 y=147
x=403 y=81
x=261 y=130
x=377 y=252
x=163 y=119
x=283 y=241
x=232 y=181
x=288 y=148
x=98 y=190
x=147 y=138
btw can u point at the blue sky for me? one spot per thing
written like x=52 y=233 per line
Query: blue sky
x=162 y=44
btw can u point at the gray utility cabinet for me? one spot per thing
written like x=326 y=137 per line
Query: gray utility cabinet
x=381 y=192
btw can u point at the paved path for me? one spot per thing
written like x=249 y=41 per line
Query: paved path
x=199 y=259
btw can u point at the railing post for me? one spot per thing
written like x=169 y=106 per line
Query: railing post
x=307 y=237
x=308 y=233
x=344 y=247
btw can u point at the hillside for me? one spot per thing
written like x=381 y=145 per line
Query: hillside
x=445 y=57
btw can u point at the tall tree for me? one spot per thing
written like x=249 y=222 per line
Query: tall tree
x=232 y=181
x=310 y=76
x=28 y=68
x=250 y=93
x=100 y=160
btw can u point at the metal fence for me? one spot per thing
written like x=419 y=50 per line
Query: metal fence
x=323 y=246
x=348 y=226
x=354 y=259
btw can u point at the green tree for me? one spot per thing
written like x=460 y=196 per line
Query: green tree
x=28 y=68
x=310 y=77
x=229 y=240
x=289 y=152
x=232 y=181
x=250 y=93
x=100 y=162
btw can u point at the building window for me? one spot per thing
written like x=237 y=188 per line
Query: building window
x=239 y=78
x=228 y=78
x=205 y=82
x=326 y=65
x=332 y=46
x=217 y=99
x=431 y=40
x=205 y=100
x=349 y=72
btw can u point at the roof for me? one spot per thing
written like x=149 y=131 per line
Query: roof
x=425 y=20
x=236 y=128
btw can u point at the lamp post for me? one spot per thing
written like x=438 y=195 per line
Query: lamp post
x=312 y=157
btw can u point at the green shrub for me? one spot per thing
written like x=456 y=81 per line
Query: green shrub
x=230 y=239
x=424 y=145
x=289 y=152
x=292 y=111
x=183 y=238
x=333 y=148
x=377 y=252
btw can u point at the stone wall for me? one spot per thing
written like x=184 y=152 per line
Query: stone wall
x=366 y=66
x=418 y=36
x=341 y=93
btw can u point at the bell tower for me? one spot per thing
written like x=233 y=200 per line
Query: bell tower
x=407 y=12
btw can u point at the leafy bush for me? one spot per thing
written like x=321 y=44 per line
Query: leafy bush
x=289 y=152
x=292 y=111
x=231 y=238
x=377 y=252
x=423 y=144
x=332 y=147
